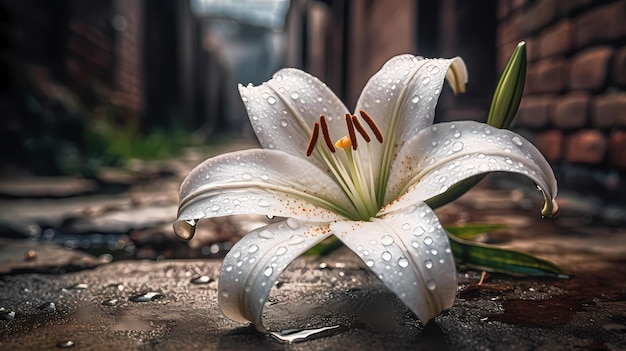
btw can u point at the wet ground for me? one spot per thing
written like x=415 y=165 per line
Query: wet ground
x=95 y=265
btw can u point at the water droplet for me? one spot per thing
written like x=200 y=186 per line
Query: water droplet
x=403 y=262
x=79 y=286
x=268 y=271
x=299 y=335
x=65 y=344
x=111 y=302
x=7 y=315
x=428 y=264
x=281 y=251
x=431 y=284
x=271 y=100
x=48 y=307
x=296 y=239
x=406 y=226
x=266 y=234
x=457 y=146
x=415 y=99
x=386 y=240
x=185 y=229
x=441 y=179
x=457 y=134
x=433 y=69
x=426 y=80
x=225 y=293
x=386 y=256
x=293 y=223
x=369 y=263
x=237 y=254
x=215 y=208
x=418 y=231
x=295 y=95
x=146 y=297
x=434 y=252
x=246 y=176
x=202 y=279
x=264 y=203
x=415 y=244
x=270 y=217
x=517 y=141
x=253 y=248
x=428 y=240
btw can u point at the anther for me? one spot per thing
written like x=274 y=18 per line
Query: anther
x=370 y=122
x=359 y=127
x=326 y=134
x=351 y=131
x=313 y=141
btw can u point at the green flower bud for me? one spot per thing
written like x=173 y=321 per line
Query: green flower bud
x=508 y=94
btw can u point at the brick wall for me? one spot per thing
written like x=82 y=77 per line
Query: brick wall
x=574 y=105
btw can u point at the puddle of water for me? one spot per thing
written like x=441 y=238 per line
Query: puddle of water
x=300 y=335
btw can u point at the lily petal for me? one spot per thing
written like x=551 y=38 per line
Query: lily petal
x=253 y=265
x=267 y=182
x=451 y=152
x=410 y=253
x=402 y=96
x=282 y=110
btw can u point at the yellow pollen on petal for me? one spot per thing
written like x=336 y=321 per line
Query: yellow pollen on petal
x=344 y=142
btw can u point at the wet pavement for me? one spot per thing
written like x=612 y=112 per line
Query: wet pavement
x=95 y=265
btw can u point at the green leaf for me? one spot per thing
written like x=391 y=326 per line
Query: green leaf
x=493 y=259
x=471 y=230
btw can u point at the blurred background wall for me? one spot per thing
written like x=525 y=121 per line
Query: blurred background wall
x=69 y=65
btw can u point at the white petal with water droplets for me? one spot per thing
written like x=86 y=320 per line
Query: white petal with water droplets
x=416 y=265
x=440 y=156
x=282 y=110
x=401 y=98
x=253 y=265
x=256 y=181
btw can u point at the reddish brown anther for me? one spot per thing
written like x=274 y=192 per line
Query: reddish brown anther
x=351 y=131
x=359 y=127
x=313 y=141
x=370 y=122
x=326 y=134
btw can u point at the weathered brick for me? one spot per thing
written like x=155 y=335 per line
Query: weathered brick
x=503 y=9
x=571 y=110
x=617 y=149
x=547 y=76
x=601 y=24
x=619 y=67
x=535 y=111
x=589 y=68
x=550 y=143
x=556 y=40
x=609 y=110
x=586 y=146
x=539 y=14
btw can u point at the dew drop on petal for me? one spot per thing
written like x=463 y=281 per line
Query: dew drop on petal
x=428 y=264
x=428 y=240
x=225 y=293
x=386 y=256
x=369 y=263
x=386 y=240
x=415 y=99
x=406 y=226
x=418 y=231
x=268 y=271
x=265 y=177
x=442 y=179
x=517 y=141
x=281 y=251
x=426 y=80
x=293 y=223
x=246 y=176
x=403 y=262
x=237 y=254
x=253 y=248
x=296 y=239
x=415 y=244
x=431 y=284
x=457 y=146
x=284 y=123
x=295 y=95
x=264 y=203
x=271 y=100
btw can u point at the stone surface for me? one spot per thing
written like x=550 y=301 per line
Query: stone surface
x=556 y=39
x=550 y=143
x=601 y=24
x=617 y=149
x=52 y=187
x=539 y=14
x=535 y=110
x=619 y=67
x=547 y=76
x=590 y=68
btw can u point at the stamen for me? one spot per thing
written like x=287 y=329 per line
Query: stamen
x=313 y=141
x=326 y=134
x=370 y=122
x=344 y=142
x=351 y=131
x=360 y=129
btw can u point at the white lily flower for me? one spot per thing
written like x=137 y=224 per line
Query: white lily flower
x=367 y=188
